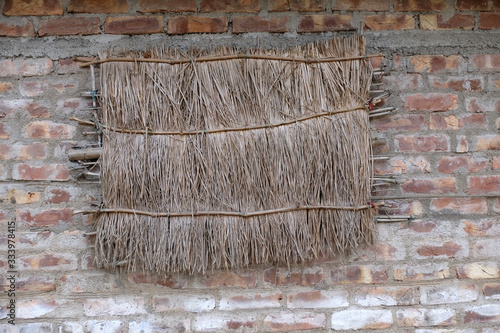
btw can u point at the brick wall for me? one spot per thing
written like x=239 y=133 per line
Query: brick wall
x=438 y=273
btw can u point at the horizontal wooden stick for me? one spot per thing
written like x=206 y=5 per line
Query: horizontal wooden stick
x=232 y=57
x=221 y=213
x=84 y=154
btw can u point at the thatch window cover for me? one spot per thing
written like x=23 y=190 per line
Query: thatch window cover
x=249 y=158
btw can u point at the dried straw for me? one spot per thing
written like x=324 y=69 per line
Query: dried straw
x=317 y=157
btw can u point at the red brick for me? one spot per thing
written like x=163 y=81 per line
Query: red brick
x=484 y=185
x=488 y=142
x=118 y=306
x=480 y=104
x=133 y=25
x=196 y=24
x=457 y=83
x=358 y=5
x=460 y=205
x=436 y=63
x=447 y=249
x=223 y=322
x=37 y=111
x=361 y=319
x=421 y=143
x=58 y=195
x=489 y=21
x=32 y=284
x=96 y=6
x=420 y=5
x=486 y=62
x=488 y=313
x=425 y=272
x=409 y=123
x=478 y=5
x=49 y=261
x=229 y=279
x=307 y=277
x=162 y=6
x=402 y=165
x=279 y=5
x=49 y=130
x=25 y=67
x=230 y=6
x=292 y=321
x=69 y=66
x=318 y=299
x=438 y=22
x=70 y=26
x=451 y=164
x=5 y=152
x=32 y=7
x=320 y=23
x=51 y=217
x=251 y=301
x=403 y=82
x=358 y=274
x=385 y=296
x=243 y=24
x=418 y=317
x=297 y=5
x=17 y=29
x=479 y=270
x=57 y=172
x=429 y=186
x=431 y=102
x=170 y=281
x=389 y=22
x=462 y=145
x=441 y=122
x=182 y=302
x=34 y=151
x=496 y=162
x=491 y=290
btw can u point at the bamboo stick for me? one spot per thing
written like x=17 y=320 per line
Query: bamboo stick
x=84 y=154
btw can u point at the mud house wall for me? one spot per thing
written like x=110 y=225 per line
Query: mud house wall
x=438 y=273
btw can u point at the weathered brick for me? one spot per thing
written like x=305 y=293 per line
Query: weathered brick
x=484 y=227
x=49 y=130
x=417 y=317
x=28 y=309
x=31 y=327
x=162 y=6
x=462 y=144
x=229 y=279
x=5 y=152
x=230 y=6
x=243 y=24
x=420 y=5
x=320 y=23
x=17 y=29
x=385 y=296
x=423 y=272
x=478 y=5
x=429 y=186
x=491 y=290
x=118 y=306
x=439 y=22
x=431 y=102
x=485 y=248
x=440 y=249
x=430 y=295
x=389 y=22
x=480 y=104
x=111 y=326
x=25 y=67
x=32 y=7
x=297 y=5
x=56 y=172
x=37 y=110
x=183 y=303
x=421 y=143
x=356 y=5
x=5 y=87
x=488 y=142
x=488 y=313
x=436 y=63
x=403 y=82
x=479 y=270
x=70 y=26
x=486 y=62
x=489 y=21
x=133 y=25
x=377 y=252
x=307 y=277
x=95 y=6
x=403 y=165
x=32 y=284
x=218 y=322
x=68 y=66
x=150 y=325
x=51 y=217
x=457 y=83
x=37 y=88
x=35 y=240
x=318 y=299
x=409 y=123
x=358 y=274
x=170 y=281
x=288 y=321
x=361 y=319
x=452 y=164
x=451 y=122
x=49 y=262
x=16 y=196
x=251 y=301
x=484 y=185
x=459 y=205
x=196 y=24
